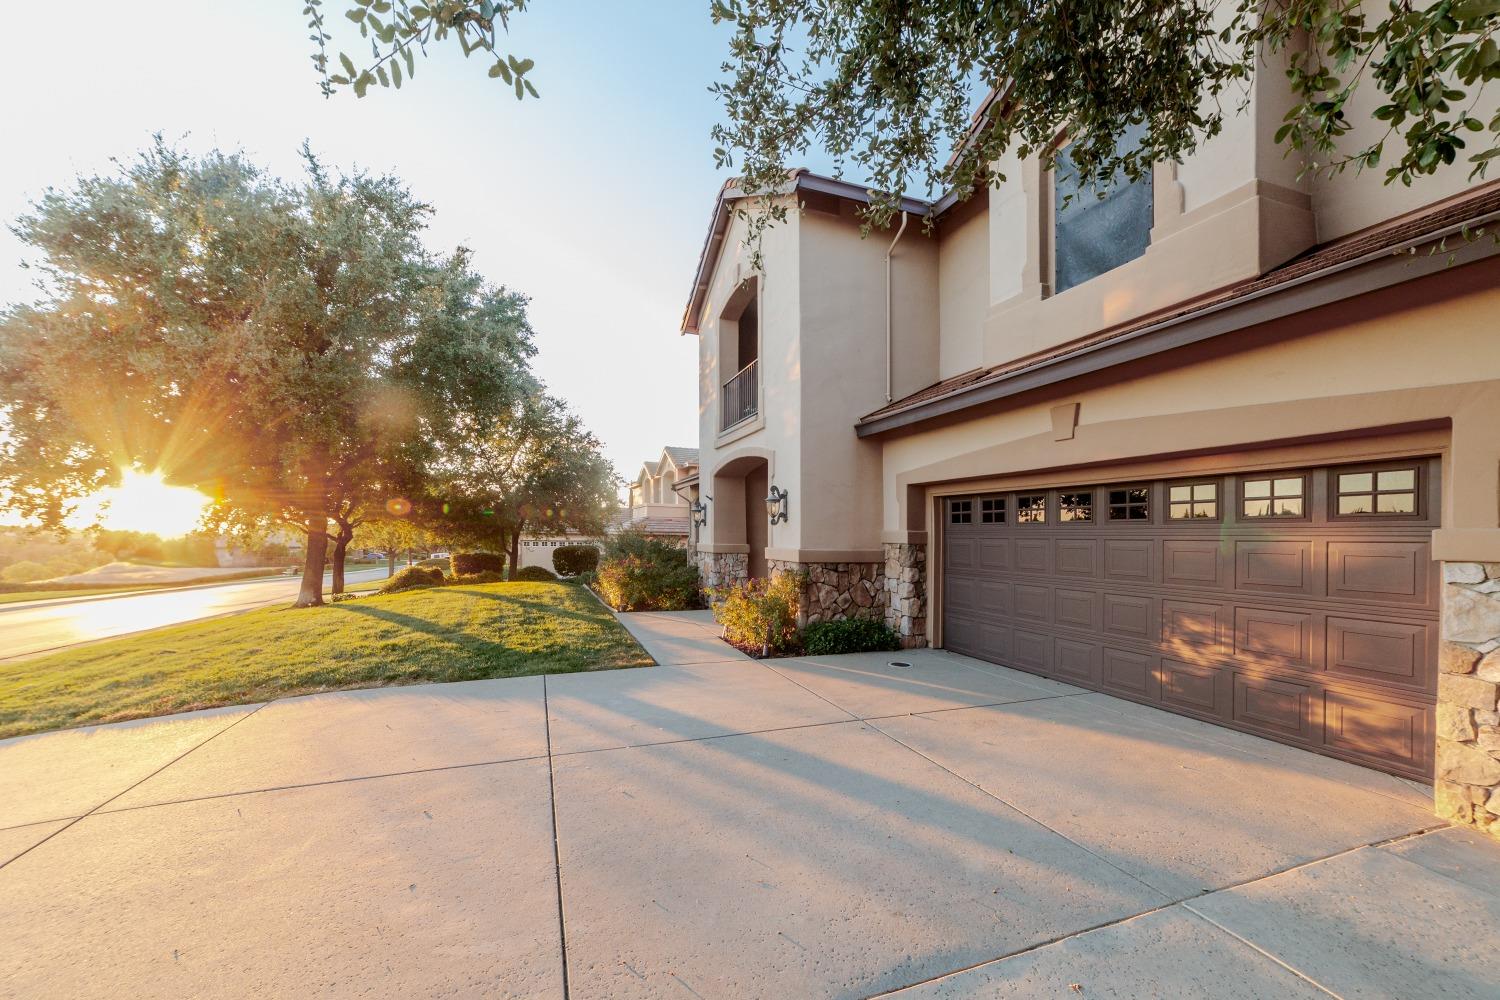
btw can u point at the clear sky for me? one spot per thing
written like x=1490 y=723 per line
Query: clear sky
x=593 y=200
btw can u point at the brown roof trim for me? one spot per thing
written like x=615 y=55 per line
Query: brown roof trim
x=718 y=227
x=1359 y=264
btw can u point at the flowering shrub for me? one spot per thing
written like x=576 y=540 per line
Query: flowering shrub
x=647 y=574
x=760 y=616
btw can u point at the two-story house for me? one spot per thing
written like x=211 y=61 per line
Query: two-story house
x=661 y=495
x=1226 y=442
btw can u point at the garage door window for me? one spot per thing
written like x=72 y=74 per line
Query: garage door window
x=960 y=511
x=1075 y=506
x=1193 y=502
x=1383 y=491
x=1132 y=504
x=1031 y=508
x=1273 y=497
x=992 y=510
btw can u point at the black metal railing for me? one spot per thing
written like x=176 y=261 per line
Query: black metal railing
x=741 y=396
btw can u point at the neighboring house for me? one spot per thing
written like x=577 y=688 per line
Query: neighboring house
x=662 y=495
x=1226 y=442
x=660 y=500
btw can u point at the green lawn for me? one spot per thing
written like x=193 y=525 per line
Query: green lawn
x=440 y=634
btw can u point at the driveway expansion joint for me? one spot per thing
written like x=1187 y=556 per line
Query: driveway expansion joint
x=562 y=926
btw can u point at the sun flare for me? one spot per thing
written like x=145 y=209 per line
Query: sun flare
x=143 y=502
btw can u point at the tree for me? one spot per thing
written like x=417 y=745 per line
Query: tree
x=293 y=351
x=537 y=469
x=390 y=534
x=889 y=86
x=398 y=30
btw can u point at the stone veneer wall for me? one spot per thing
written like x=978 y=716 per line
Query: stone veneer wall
x=906 y=592
x=720 y=569
x=1467 y=787
x=836 y=590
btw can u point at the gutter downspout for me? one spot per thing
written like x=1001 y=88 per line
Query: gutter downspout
x=888 y=343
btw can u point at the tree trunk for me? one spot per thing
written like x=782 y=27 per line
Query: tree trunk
x=390 y=562
x=340 y=549
x=515 y=551
x=311 y=594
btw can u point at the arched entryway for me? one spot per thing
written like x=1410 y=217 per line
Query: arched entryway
x=738 y=514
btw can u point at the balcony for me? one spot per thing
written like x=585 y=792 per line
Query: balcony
x=741 y=398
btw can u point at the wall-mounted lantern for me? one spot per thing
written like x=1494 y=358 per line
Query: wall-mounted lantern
x=776 y=502
x=699 y=510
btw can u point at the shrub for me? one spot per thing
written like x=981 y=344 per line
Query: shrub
x=412 y=577
x=571 y=560
x=469 y=563
x=760 y=616
x=646 y=574
x=534 y=574
x=25 y=571
x=849 y=635
x=494 y=576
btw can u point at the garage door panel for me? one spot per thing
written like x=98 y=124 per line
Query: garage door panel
x=1386 y=572
x=1130 y=673
x=1193 y=688
x=1274 y=706
x=1033 y=602
x=1130 y=616
x=1076 y=557
x=1376 y=650
x=1130 y=560
x=1188 y=625
x=1283 y=567
x=1032 y=651
x=1281 y=637
x=1077 y=662
x=1076 y=609
x=1319 y=630
x=1032 y=555
x=1190 y=562
x=1378 y=731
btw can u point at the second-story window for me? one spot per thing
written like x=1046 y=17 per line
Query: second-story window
x=1096 y=231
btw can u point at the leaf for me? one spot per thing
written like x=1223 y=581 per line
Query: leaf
x=1469 y=10
x=396 y=73
x=501 y=70
x=348 y=65
x=357 y=15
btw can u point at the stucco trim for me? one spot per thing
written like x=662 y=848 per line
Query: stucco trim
x=724 y=548
x=1466 y=544
x=827 y=555
x=904 y=537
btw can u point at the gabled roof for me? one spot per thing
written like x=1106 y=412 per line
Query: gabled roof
x=681 y=457
x=718 y=226
x=1442 y=227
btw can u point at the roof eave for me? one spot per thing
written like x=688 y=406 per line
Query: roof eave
x=1374 y=271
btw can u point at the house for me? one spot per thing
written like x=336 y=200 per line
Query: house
x=662 y=495
x=1225 y=442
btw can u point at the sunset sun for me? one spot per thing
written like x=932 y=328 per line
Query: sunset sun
x=143 y=502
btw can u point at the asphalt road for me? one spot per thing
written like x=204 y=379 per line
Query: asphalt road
x=41 y=627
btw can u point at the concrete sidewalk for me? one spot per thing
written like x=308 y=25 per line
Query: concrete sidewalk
x=722 y=827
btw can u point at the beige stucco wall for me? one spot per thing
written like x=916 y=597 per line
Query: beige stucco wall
x=1422 y=352
x=963 y=286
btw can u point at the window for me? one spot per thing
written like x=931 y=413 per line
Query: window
x=1130 y=504
x=960 y=511
x=1388 y=491
x=1075 y=506
x=1193 y=502
x=1272 y=497
x=1031 y=508
x=1097 y=231
x=992 y=510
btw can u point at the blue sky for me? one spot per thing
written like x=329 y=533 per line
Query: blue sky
x=592 y=200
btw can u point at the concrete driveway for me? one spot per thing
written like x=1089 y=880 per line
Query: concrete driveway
x=719 y=827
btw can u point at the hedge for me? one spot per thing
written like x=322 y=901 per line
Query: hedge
x=469 y=563
x=571 y=560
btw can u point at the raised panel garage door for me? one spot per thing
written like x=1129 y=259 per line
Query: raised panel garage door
x=1299 y=605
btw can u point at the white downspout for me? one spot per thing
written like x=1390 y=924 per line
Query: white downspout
x=888 y=344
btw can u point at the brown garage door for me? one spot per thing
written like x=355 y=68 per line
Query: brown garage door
x=1298 y=605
